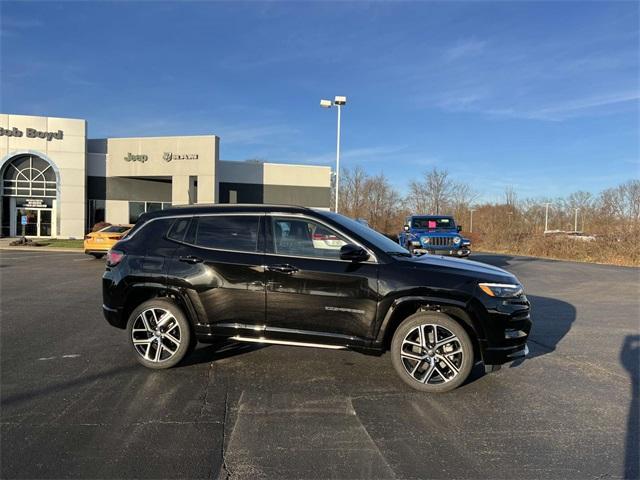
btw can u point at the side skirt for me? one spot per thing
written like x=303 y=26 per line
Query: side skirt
x=286 y=342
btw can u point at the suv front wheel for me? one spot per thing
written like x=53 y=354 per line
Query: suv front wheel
x=432 y=352
x=159 y=333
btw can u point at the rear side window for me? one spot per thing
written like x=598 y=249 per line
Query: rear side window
x=228 y=232
x=178 y=229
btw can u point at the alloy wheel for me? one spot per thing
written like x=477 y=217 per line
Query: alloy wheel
x=156 y=335
x=432 y=354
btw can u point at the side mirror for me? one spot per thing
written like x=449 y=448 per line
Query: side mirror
x=353 y=253
x=459 y=228
x=406 y=228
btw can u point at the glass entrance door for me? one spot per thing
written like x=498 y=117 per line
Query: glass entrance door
x=26 y=222
x=33 y=222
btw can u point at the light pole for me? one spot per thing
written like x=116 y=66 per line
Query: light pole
x=338 y=101
x=471 y=220
x=546 y=217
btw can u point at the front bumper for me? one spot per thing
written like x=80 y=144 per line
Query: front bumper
x=506 y=324
x=455 y=252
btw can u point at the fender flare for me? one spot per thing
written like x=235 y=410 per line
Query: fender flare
x=456 y=308
x=154 y=289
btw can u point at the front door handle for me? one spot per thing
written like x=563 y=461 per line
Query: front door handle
x=190 y=259
x=285 y=268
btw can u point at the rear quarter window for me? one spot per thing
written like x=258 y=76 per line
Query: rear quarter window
x=178 y=229
x=150 y=235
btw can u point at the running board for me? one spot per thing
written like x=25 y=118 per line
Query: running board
x=285 y=342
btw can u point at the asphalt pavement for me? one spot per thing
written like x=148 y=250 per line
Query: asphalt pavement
x=76 y=404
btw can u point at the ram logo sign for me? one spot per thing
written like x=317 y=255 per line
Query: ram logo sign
x=168 y=156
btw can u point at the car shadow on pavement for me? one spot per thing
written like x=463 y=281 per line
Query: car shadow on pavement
x=218 y=350
x=630 y=359
x=501 y=261
x=552 y=319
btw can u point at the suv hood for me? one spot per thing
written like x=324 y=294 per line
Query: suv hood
x=477 y=269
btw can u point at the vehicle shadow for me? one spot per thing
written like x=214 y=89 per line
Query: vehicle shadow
x=218 y=350
x=500 y=260
x=630 y=359
x=552 y=320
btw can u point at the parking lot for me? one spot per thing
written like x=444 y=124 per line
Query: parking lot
x=76 y=404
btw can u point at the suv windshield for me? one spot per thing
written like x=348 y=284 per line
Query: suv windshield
x=370 y=235
x=433 y=223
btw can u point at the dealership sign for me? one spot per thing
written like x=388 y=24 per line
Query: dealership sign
x=31 y=133
x=136 y=158
x=168 y=156
x=34 y=203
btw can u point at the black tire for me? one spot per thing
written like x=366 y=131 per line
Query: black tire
x=170 y=352
x=97 y=255
x=442 y=377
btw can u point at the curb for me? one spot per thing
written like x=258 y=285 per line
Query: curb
x=43 y=249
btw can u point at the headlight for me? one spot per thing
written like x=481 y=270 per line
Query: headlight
x=501 y=290
x=457 y=240
x=425 y=239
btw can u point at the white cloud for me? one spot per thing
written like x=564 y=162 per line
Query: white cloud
x=464 y=48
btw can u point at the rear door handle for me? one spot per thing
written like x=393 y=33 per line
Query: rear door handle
x=190 y=259
x=286 y=268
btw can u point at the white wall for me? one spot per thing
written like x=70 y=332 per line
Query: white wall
x=68 y=156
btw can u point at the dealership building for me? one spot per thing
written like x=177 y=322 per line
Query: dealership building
x=58 y=183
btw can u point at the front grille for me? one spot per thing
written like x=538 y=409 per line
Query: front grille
x=438 y=242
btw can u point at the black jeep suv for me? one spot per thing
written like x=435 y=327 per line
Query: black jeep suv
x=303 y=277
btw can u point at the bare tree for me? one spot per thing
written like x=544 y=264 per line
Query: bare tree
x=431 y=195
x=510 y=197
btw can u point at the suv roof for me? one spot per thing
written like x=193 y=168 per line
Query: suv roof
x=224 y=208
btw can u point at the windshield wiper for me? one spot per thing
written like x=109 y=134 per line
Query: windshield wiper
x=399 y=254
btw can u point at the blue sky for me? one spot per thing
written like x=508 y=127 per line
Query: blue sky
x=543 y=96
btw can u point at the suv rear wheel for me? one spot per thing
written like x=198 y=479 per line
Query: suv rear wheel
x=432 y=352
x=159 y=333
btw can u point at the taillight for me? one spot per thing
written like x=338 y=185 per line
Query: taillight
x=87 y=237
x=114 y=257
x=117 y=237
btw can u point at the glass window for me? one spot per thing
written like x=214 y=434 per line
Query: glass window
x=306 y=238
x=116 y=229
x=178 y=229
x=154 y=206
x=433 y=223
x=135 y=210
x=228 y=232
x=367 y=234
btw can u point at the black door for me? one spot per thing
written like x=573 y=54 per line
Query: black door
x=309 y=289
x=219 y=261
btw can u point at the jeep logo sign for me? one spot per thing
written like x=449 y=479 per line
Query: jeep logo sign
x=136 y=158
x=31 y=133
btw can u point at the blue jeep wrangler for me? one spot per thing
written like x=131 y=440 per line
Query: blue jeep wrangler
x=437 y=234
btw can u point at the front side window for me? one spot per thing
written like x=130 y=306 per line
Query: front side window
x=305 y=238
x=228 y=232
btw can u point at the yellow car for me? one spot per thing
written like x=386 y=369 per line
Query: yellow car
x=98 y=243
